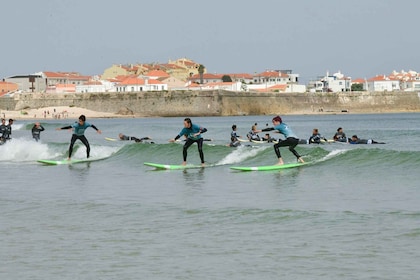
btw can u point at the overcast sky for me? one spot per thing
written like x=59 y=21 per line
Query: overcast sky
x=360 y=38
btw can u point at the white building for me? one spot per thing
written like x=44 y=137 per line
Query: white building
x=134 y=84
x=382 y=83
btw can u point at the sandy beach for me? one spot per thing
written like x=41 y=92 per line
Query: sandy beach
x=58 y=112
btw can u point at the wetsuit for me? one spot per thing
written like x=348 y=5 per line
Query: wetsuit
x=340 y=137
x=2 y=131
x=291 y=140
x=78 y=133
x=191 y=138
x=316 y=139
x=126 y=138
x=363 y=141
x=36 y=132
x=253 y=136
x=234 y=135
x=7 y=132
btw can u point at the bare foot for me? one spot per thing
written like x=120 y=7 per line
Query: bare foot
x=301 y=160
x=184 y=163
x=280 y=162
x=68 y=159
x=203 y=164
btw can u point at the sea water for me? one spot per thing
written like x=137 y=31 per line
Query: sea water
x=353 y=214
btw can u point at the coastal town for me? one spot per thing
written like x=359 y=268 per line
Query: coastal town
x=187 y=75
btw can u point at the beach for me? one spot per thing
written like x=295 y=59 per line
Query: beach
x=57 y=112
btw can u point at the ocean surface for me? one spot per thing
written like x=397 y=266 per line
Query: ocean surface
x=352 y=214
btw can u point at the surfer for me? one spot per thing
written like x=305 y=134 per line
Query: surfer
x=2 y=130
x=6 y=130
x=36 y=131
x=79 y=133
x=291 y=140
x=268 y=138
x=234 y=134
x=340 y=136
x=193 y=133
x=253 y=133
x=137 y=140
x=356 y=140
x=316 y=137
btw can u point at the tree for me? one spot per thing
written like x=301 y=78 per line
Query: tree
x=356 y=87
x=226 y=78
x=201 y=70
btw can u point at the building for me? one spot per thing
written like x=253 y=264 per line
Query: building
x=382 y=83
x=29 y=83
x=7 y=88
x=136 y=84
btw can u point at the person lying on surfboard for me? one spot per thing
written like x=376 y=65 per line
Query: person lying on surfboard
x=356 y=140
x=193 y=133
x=291 y=140
x=137 y=140
x=79 y=133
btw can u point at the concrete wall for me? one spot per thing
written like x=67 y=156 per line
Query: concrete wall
x=221 y=103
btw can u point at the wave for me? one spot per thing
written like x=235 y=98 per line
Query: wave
x=27 y=150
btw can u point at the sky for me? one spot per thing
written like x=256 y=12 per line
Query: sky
x=359 y=38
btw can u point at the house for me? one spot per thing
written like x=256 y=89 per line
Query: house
x=29 y=83
x=55 y=78
x=7 y=87
x=122 y=70
x=409 y=81
x=207 y=78
x=383 y=83
x=136 y=84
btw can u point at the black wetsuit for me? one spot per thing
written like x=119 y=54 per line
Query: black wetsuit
x=127 y=138
x=78 y=133
x=192 y=138
x=36 y=132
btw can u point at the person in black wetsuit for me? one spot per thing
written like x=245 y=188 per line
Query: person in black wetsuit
x=137 y=140
x=340 y=136
x=193 y=133
x=2 y=130
x=316 y=137
x=79 y=133
x=356 y=140
x=36 y=131
x=6 y=130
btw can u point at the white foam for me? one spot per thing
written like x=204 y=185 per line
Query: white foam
x=24 y=150
x=240 y=154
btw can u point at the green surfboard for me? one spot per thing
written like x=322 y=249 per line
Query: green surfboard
x=174 y=166
x=267 y=167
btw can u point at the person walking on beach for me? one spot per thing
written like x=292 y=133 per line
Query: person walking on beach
x=78 y=133
x=291 y=140
x=36 y=131
x=193 y=133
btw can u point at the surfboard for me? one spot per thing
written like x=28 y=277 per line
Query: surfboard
x=267 y=167
x=65 y=161
x=110 y=139
x=174 y=166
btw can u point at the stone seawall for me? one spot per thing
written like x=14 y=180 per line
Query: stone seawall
x=221 y=103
